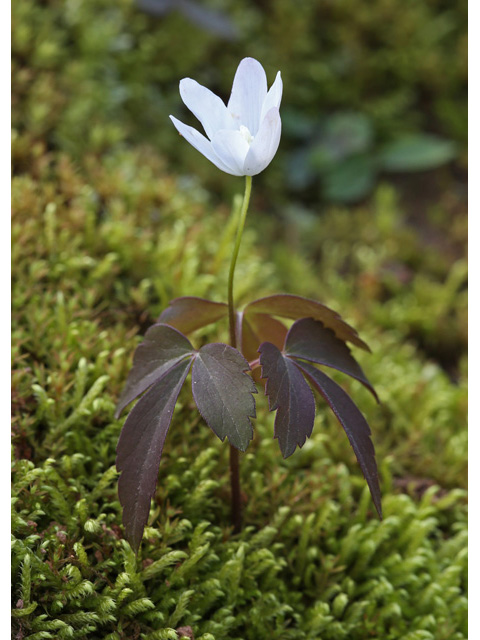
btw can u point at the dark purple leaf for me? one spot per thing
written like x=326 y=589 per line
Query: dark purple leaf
x=295 y=307
x=251 y=333
x=162 y=348
x=140 y=448
x=189 y=313
x=290 y=396
x=223 y=393
x=310 y=340
x=353 y=422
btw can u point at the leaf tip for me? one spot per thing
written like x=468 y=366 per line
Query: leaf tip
x=133 y=539
x=241 y=447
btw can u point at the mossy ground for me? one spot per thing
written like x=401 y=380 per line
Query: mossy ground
x=104 y=234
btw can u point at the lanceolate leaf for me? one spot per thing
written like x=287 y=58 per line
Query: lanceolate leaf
x=310 y=340
x=290 y=395
x=190 y=313
x=223 y=393
x=355 y=426
x=162 y=348
x=140 y=448
x=295 y=307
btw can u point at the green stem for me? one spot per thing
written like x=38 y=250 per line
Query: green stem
x=236 y=248
x=235 y=488
x=234 y=458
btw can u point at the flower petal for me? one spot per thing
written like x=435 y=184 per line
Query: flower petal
x=206 y=106
x=232 y=149
x=264 y=145
x=274 y=96
x=197 y=140
x=248 y=93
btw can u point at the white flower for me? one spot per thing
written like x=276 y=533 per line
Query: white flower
x=243 y=136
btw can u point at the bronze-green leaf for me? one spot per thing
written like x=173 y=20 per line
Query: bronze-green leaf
x=310 y=340
x=162 y=348
x=223 y=393
x=295 y=307
x=258 y=328
x=140 y=448
x=355 y=425
x=190 y=313
x=290 y=396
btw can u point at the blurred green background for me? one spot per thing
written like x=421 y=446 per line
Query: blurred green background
x=371 y=91
x=363 y=208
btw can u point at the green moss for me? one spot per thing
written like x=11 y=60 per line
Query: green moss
x=105 y=233
x=90 y=272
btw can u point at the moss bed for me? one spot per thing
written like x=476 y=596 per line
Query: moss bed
x=104 y=234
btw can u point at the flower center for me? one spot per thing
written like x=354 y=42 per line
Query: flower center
x=245 y=133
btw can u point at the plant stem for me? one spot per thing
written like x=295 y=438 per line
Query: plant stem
x=235 y=488
x=236 y=248
x=234 y=458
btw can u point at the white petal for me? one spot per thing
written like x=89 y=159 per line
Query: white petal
x=197 y=140
x=274 y=96
x=248 y=93
x=206 y=106
x=232 y=148
x=265 y=144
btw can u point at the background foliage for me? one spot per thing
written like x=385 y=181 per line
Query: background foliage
x=114 y=215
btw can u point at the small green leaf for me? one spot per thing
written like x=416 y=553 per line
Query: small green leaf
x=223 y=393
x=417 y=153
x=351 y=179
x=343 y=134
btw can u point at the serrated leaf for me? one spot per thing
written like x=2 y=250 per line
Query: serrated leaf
x=354 y=424
x=162 y=348
x=190 y=313
x=140 y=448
x=290 y=396
x=287 y=305
x=223 y=393
x=310 y=340
x=417 y=153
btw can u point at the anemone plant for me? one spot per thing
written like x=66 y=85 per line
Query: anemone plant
x=241 y=139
